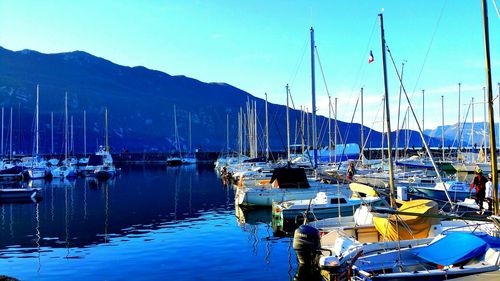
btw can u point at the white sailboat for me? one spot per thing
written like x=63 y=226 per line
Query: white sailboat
x=175 y=160
x=66 y=169
x=36 y=169
x=190 y=158
x=107 y=169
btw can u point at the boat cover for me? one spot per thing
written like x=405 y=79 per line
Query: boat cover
x=419 y=226
x=289 y=178
x=362 y=189
x=453 y=248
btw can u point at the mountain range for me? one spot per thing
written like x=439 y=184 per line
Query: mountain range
x=141 y=103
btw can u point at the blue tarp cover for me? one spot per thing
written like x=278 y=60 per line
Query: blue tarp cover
x=455 y=247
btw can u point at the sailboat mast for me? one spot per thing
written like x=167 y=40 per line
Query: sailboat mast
x=362 y=125
x=227 y=132
x=442 y=127
x=423 y=110
x=11 y=132
x=287 y=125
x=383 y=134
x=458 y=127
x=267 y=132
x=66 y=125
x=335 y=132
x=329 y=129
x=388 y=116
x=484 y=125
x=106 y=116
x=473 y=121
x=72 y=144
x=490 y=109
x=313 y=109
x=84 y=133
x=190 y=143
x=52 y=132
x=256 y=148
x=2 y=135
x=37 y=118
x=396 y=157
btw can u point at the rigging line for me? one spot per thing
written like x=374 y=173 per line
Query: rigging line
x=348 y=130
x=299 y=63
x=362 y=65
x=430 y=45
x=428 y=51
x=496 y=7
x=418 y=126
x=296 y=112
x=363 y=145
x=322 y=72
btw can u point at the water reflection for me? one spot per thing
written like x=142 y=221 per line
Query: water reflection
x=146 y=218
x=70 y=210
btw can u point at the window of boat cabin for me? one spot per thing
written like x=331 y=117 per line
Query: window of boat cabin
x=337 y=200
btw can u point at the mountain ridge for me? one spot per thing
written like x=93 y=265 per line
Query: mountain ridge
x=140 y=103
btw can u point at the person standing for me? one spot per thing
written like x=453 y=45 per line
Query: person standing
x=350 y=171
x=489 y=193
x=480 y=184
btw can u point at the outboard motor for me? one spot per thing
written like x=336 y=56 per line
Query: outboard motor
x=306 y=243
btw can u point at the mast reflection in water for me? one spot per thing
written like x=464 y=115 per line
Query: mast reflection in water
x=149 y=223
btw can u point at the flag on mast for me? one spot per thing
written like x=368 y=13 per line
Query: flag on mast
x=370 y=58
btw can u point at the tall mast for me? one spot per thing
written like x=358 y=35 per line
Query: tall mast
x=256 y=148
x=302 y=128
x=362 y=125
x=423 y=110
x=442 y=127
x=313 y=109
x=388 y=116
x=106 y=116
x=458 y=127
x=2 y=135
x=52 y=132
x=37 y=118
x=10 y=135
x=399 y=113
x=227 y=132
x=383 y=134
x=473 y=120
x=66 y=125
x=335 y=132
x=84 y=133
x=484 y=125
x=308 y=129
x=72 y=144
x=491 y=120
x=287 y=124
x=190 y=143
x=329 y=129
x=267 y=132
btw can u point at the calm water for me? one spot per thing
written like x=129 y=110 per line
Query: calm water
x=150 y=223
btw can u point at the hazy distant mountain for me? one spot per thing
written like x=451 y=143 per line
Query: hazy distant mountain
x=467 y=129
x=140 y=103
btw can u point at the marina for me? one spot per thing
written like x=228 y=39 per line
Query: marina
x=147 y=175
x=142 y=219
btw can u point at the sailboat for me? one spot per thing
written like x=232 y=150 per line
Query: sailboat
x=175 y=160
x=36 y=169
x=461 y=251
x=8 y=169
x=66 y=169
x=190 y=157
x=107 y=169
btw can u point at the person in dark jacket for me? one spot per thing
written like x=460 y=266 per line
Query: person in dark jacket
x=480 y=184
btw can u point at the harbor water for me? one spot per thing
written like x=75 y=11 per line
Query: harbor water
x=148 y=223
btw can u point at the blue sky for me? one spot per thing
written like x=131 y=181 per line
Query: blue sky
x=260 y=46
